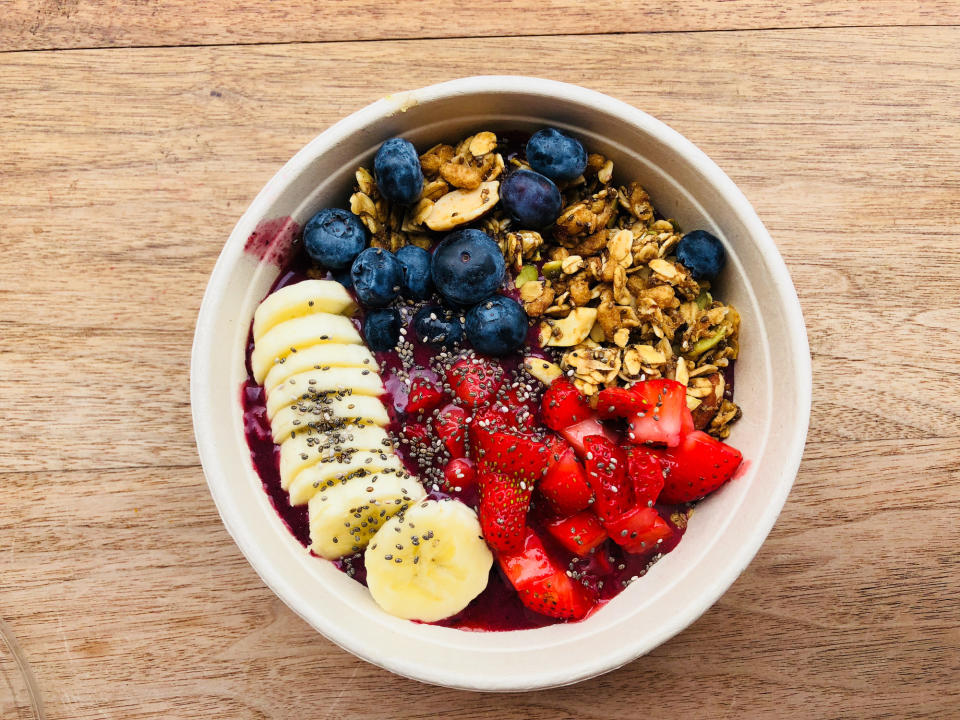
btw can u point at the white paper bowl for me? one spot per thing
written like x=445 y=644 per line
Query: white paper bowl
x=772 y=386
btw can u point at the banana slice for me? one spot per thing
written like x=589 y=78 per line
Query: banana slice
x=317 y=357
x=428 y=563
x=308 y=448
x=304 y=298
x=326 y=413
x=315 y=385
x=345 y=517
x=294 y=335
x=324 y=475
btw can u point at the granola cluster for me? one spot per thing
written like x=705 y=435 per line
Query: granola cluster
x=613 y=304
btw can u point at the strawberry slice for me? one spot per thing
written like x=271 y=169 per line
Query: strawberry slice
x=697 y=467
x=576 y=433
x=619 y=402
x=519 y=457
x=542 y=584
x=639 y=530
x=646 y=474
x=563 y=405
x=666 y=418
x=450 y=425
x=606 y=466
x=423 y=397
x=475 y=382
x=579 y=533
x=460 y=474
x=503 y=510
x=415 y=433
x=565 y=484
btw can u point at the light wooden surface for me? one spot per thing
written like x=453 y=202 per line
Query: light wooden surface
x=123 y=170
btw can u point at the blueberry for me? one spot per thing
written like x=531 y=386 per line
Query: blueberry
x=377 y=277
x=702 y=254
x=497 y=326
x=556 y=155
x=415 y=263
x=381 y=328
x=334 y=237
x=530 y=198
x=437 y=326
x=467 y=266
x=397 y=170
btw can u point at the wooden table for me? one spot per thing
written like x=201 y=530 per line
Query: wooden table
x=133 y=134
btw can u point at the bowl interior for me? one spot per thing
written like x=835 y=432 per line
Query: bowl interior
x=725 y=530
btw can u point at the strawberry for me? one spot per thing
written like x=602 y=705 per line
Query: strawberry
x=415 y=433
x=666 y=418
x=503 y=510
x=619 y=402
x=515 y=455
x=576 y=433
x=423 y=396
x=646 y=474
x=460 y=473
x=542 y=584
x=563 y=405
x=450 y=425
x=697 y=467
x=475 y=382
x=638 y=530
x=565 y=484
x=606 y=466
x=579 y=533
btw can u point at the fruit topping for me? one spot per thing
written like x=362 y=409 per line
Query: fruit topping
x=496 y=326
x=578 y=533
x=450 y=425
x=531 y=199
x=606 y=466
x=415 y=267
x=377 y=277
x=639 y=530
x=645 y=471
x=665 y=418
x=556 y=155
x=334 y=237
x=397 y=170
x=459 y=474
x=518 y=456
x=381 y=329
x=565 y=484
x=437 y=326
x=504 y=501
x=618 y=402
x=576 y=433
x=696 y=467
x=423 y=397
x=563 y=406
x=467 y=267
x=702 y=254
x=474 y=381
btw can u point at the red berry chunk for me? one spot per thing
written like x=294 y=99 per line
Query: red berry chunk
x=563 y=405
x=451 y=427
x=639 y=530
x=666 y=417
x=646 y=474
x=517 y=456
x=475 y=382
x=697 y=467
x=576 y=433
x=542 y=584
x=606 y=466
x=503 y=510
x=424 y=396
x=460 y=473
x=565 y=484
x=579 y=533
x=619 y=402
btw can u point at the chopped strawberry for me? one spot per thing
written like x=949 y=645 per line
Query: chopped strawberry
x=638 y=530
x=503 y=510
x=579 y=533
x=460 y=474
x=697 y=467
x=423 y=397
x=666 y=418
x=542 y=584
x=619 y=402
x=563 y=405
x=415 y=433
x=475 y=382
x=510 y=453
x=565 y=484
x=646 y=474
x=576 y=433
x=450 y=425
x=488 y=419
x=606 y=466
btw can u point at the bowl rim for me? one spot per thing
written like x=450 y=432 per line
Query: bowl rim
x=714 y=176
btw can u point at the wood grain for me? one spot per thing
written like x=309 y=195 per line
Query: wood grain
x=45 y=24
x=121 y=173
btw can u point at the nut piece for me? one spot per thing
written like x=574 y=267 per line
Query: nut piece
x=543 y=370
x=482 y=143
x=571 y=264
x=569 y=331
x=462 y=206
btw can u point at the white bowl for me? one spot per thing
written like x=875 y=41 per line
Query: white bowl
x=772 y=385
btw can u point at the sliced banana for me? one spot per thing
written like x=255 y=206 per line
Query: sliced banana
x=318 y=357
x=304 y=298
x=308 y=448
x=327 y=412
x=294 y=335
x=316 y=384
x=324 y=475
x=428 y=563
x=346 y=516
